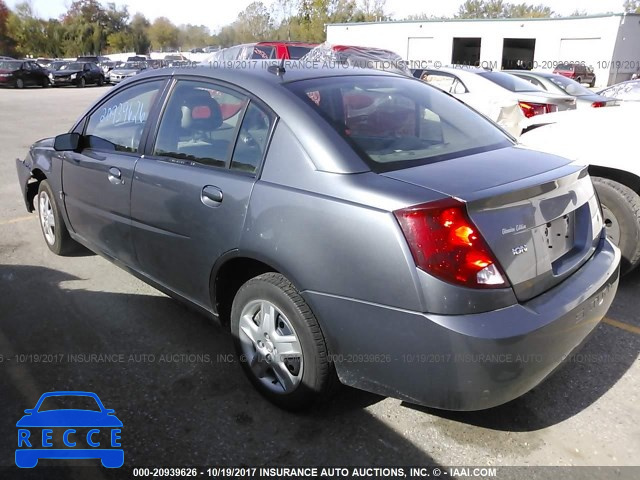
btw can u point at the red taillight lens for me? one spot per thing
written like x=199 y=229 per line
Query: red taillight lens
x=530 y=109
x=445 y=243
x=599 y=104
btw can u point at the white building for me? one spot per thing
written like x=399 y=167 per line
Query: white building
x=610 y=44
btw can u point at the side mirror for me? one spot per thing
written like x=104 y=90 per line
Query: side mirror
x=29 y=411
x=67 y=142
x=109 y=411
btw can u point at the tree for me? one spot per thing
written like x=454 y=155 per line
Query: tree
x=631 y=6
x=139 y=28
x=254 y=23
x=7 y=44
x=500 y=9
x=524 y=10
x=163 y=34
x=26 y=30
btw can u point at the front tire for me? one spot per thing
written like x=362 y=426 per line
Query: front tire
x=621 y=212
x=46 y=83
x=54 y=230
x=81 y=82
x=281 y=347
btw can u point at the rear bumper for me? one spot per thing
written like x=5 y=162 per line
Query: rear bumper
x=466 y=362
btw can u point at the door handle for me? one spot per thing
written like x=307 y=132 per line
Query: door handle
x=211 y=196
x=115 y=176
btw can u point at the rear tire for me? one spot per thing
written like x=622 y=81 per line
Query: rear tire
x=19 y=83
x=100 y=81
x=46 y=83
x=54 y=230
x=81 y=82
x=621 y=210
x=579 y=80
x=269 y=318
x=592 y=83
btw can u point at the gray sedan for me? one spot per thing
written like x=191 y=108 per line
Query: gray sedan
x=125 y=70
x=344 y=224
x=561 y=84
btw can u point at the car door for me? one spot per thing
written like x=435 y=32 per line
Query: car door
x=97 y=179
x=26 y=74
x=191 y=190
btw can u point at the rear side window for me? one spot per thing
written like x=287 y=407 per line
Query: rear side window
x=297 y=52
x=119 y=122
x=199 y=123
x=396 y=122
x=252 y=139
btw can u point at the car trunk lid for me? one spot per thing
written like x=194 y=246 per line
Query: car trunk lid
x=538 y=213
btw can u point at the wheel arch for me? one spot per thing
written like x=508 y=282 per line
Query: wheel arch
x=230 y=272
x=624 y=177
x=33 y=184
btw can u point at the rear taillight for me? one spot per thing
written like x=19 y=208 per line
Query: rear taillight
x=445 y=243
x=531 y=109
x=598 y=104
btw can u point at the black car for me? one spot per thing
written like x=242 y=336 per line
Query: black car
x=78 y=74
x=23 y=73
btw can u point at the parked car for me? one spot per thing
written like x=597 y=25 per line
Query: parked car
x=78 y=74
x=23 y=73
x=579 y=72
x=604 y=139
x=628 y=91
x=92 y=59
x=6 y=58
x=125 y=70
x=553 y=82
x=262 y=51
x=357 y=56
x=341 y=223
x=138 y=58
x=507 y=100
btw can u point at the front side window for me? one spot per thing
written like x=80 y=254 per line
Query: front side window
x=199 y=123
x=119 y=122
x=395 y=122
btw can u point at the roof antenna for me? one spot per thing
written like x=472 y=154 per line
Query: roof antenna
x=277 y=69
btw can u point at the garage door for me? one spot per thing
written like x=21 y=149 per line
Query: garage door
x=579 y=49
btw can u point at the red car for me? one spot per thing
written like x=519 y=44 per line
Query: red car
x=576 y=71
x=264 y=50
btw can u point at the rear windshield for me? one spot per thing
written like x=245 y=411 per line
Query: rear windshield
x=72 y=66
x=576 y=88
x=397 y=122
x=510 y=82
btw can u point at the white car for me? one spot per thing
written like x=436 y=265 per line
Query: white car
x=506 y=99
x=606 y=140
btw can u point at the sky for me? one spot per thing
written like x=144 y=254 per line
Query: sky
x=217 y=13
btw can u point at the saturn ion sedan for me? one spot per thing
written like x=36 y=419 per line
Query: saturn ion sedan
x=343 y=224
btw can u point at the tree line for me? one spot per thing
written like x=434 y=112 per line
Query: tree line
x=91 y=27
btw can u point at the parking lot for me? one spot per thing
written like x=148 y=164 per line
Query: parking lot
x=183 y=399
